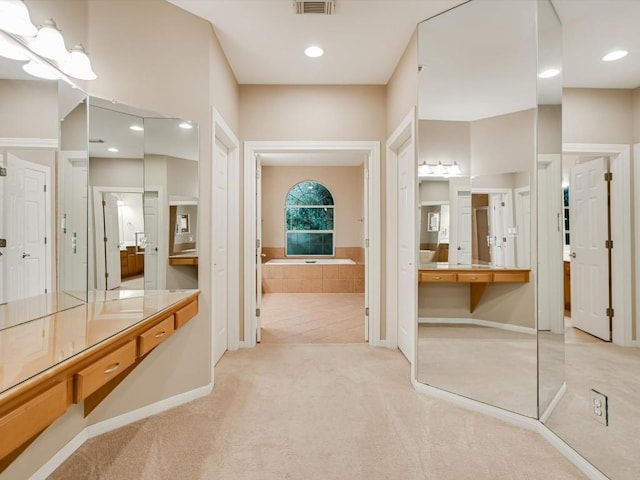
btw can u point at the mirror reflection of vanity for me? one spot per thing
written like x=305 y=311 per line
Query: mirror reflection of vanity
x=476 y=155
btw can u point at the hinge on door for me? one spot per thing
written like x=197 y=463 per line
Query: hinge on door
x=104 y=204
x=45 y=290
x=366 y=242
x=3 y=172
x=257 y=243
x=502 y=204
x=257 y=312
x=105 y=239
x=3 y=242
x=106 y=275
x=608 y=176
x=608 y=244
x=45 y=187
x=45 y=240
x=366 y=311
x=609 y=312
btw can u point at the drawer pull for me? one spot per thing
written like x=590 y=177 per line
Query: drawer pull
x=112 y=368
x=437 y=278
x=474 y=278
x=160 y=334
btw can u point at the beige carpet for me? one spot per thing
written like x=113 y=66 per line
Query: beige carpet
x=317 y=412
x=312 y=317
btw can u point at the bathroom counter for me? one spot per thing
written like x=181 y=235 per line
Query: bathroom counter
x=184 y=259
x=79 y=355
x=478 y=277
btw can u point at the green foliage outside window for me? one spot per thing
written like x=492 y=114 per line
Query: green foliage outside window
x=309 y=214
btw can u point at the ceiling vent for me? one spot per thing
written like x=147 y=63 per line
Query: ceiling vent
x=304 y=7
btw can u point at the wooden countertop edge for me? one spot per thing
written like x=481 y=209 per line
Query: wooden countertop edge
x=15 y=396
x=475 y=270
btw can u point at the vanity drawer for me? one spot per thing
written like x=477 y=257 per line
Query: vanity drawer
x=30 y=418
x=186 y=313
x=511 y=277
x=482 y=277
x=103 y=370
x=155 y=335
x=437 y=277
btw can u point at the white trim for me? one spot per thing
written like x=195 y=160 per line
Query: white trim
x=636 y=195
x=224 y=133
x=116 y=422
x=554 y=402
x=621 y=285
x=480 y=323
x=373 y=270
x=44 y=143
x=519 y=421
x=406 y=130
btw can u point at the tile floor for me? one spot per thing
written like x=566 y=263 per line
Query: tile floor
x=312 y=318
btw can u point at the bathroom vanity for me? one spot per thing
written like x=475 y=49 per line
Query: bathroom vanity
x=478 y=277
x=79 y=355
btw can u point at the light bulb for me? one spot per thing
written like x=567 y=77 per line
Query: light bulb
x=454 y=169
x=14 y=18
x=314 y=52
x=49 y=43
x=41 y=70
x=78 y=65
x=615 y=55
x=439 y=170
x=185 y=125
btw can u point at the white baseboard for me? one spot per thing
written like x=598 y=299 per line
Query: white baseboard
x=116 y=422
x=479 y=322
x=552 y=405
x=518 y=420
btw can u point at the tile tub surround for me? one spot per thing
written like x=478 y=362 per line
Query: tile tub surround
x=354 y=253
x=313 y=278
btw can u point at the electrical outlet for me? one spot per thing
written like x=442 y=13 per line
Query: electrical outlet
x=599 y=407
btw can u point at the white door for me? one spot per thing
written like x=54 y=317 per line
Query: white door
x=111 y=241
x=463 y=249
x=498 y=242
x=220 y=273
x=25 y=206
x=590 y=258
x=258 y=249
x=151 y=209
x=365 y=234
x=406 y=249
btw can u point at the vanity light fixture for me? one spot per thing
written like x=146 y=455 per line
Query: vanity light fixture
x=11 y=50
x=136 y=128
x=314 y=51
x=113 y=149
x=549 y=73
x=439 y=170
x=615 y=55
x=185 y=125
x=49 y=43
x=41 y=70
x=78 y=65
x=14 y=18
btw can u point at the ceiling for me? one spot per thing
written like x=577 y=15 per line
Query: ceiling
x=364 y=39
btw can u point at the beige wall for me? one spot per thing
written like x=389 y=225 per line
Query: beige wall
x=446 y=142
x=434 y=191
x=636 y=115
x=152 y=55
x=402 y=88
x=116 y=172
x=592 y=115
x=505 y=143
x=19 y=99
x=549 y=129
x=344 y=183
x=312 y=112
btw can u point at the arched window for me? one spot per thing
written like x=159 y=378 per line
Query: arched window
x=309 y=220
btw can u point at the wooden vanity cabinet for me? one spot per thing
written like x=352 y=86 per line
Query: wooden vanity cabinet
x=477 y=279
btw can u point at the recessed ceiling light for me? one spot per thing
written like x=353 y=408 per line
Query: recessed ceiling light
x=113 y=149
x=136 y=128
x=550 y=72
x=185 y=125
x=314 y=52
x=615 y=55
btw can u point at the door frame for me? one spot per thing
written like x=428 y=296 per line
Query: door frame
x=405 y=131
x=621 y=235
x=373 y=252
x=224 y=133
x=509 y=207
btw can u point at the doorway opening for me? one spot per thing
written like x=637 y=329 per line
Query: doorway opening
x=313 y=278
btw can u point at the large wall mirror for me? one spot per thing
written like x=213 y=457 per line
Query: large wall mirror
x=476 y=165
x=143 y=190
x=43 y=178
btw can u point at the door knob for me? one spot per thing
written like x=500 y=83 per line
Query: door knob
x=263 y=255
x=459 y=248
x=25 y=255
x=573 y=255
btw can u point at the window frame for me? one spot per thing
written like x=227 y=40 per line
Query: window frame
x=287 y=231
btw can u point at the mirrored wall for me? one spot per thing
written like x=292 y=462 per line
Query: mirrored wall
x=143 y=189
x=477 y=333
x=43 y=170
